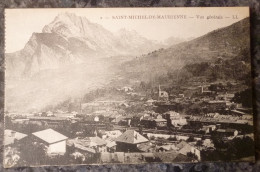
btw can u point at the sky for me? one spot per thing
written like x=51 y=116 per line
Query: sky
x=21 y=23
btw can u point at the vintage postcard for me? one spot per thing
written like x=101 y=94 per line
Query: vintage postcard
x=127 y=85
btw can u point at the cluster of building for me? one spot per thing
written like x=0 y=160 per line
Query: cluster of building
x=110 y=144
x=162 y=132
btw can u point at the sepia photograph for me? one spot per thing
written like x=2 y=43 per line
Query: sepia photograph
x=127 y=86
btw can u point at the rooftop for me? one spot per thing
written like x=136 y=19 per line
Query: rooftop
x=80 y=144
x=50 y=136
x=97 y=140
x=226 y=130
x=114 y=133
x=131 y=137
x=160 y=120
x=10 y=136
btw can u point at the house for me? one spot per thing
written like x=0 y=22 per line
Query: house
x=49 y=113
x=161 y=122
x=96 y=118
x=88 y=144
x=208 y=129
x=187 y=148
x=208 y=143
x=111 y=145
x=175 y=118
x=171 y=114
x=204 y=90
x=158 y=116
x=163 y=95
x=226 y=96
x=80 y=149
x=146 y=147
x=127 y=89
x=53 y=140
x=217 y=104
x=81 y=145
x=97 y=143
x=122 y=120
x=155 y=135
x=11 y=137
x=178 y=121
x=150 y=102
x=165 y=148
x=148 y=122
x=227 y=132
x=129 y=140
x=111 y=134
x=112 y=114
x=124 y=105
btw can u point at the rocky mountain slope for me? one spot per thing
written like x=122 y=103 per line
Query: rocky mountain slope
x=70 y=39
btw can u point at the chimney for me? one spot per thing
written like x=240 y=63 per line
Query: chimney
x=12 y=133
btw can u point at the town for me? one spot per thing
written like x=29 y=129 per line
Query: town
x=136 y=125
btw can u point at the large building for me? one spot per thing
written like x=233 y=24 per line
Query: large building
x=128 y=141
x=175 y=118
x=53 y=140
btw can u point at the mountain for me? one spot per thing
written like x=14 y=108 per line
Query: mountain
x=176 y=40
x=73 y=56
x=134 y=42
x=230 y=44
x=70 y=39
x=43 y=51
x=221 y=56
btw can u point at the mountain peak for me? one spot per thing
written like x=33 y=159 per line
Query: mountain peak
x=72 y=17
x=67 y=25
x=124 y=31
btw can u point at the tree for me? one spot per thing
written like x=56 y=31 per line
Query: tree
x=239 y=145
x=191 y=139
x=199 y=143
x=244 y=97
x=192 y=155
x=33 y=148
x=172 y=138
x=101 y=118
x=229 y=85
